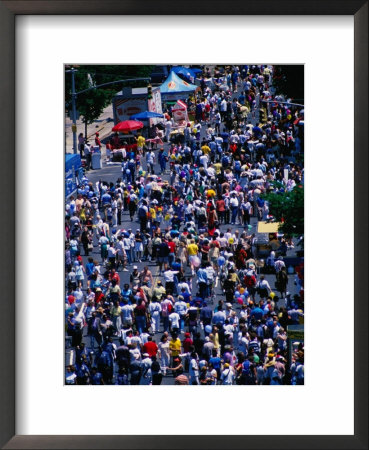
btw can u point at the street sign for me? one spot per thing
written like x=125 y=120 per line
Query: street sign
x=295 y=332
x=296 y=335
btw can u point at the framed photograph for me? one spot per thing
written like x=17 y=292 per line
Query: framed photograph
x=316 y=138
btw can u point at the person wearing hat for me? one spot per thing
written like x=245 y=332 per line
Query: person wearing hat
x=227 y=376
x=177 y=366
x=181 y=380
x=158 y=291
x=99 y=296
x=135 y=277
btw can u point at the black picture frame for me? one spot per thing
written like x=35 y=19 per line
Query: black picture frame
x=8 y=12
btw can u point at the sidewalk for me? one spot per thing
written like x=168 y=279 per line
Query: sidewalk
x=102 y=125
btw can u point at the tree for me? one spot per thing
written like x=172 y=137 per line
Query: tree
x=288 y=208
x=288 y=80
x=91 y=104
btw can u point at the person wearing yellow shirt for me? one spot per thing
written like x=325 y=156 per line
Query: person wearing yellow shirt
x=192 y=250
x=217 y=166
x=205 y=149
x=175 y=346
x=140 y=143
x=152 y=211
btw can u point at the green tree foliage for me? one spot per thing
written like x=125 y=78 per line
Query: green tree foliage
x=288 y=208
x=288 y=80
x=91 y=104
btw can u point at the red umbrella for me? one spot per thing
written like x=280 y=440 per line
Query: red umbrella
x=128 y=125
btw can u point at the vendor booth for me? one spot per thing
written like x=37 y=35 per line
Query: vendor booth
x=174 y=88
x=180 y=116
x=186 y=73
x=266 y=239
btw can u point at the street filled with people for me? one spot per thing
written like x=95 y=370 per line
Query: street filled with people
x=166 y=280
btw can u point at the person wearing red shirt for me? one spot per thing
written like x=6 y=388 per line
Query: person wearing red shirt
x=172 y=250
x=114 y=276
x=220 y=206
x=187 y=343
x=150 y=347
x=99 y=296
x=97 y=141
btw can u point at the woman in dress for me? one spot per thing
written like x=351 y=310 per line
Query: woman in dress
x=182 y=254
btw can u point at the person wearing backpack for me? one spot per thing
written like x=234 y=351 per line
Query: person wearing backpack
x=105 y=366
x=282 y=281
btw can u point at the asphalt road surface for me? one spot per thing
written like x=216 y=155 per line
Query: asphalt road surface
x=110 y=172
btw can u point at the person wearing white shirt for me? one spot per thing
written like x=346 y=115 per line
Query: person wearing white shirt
x=144 y=336
x=210 y=172
x=204 y=161
x=234 y=208
x=180 y=308
x=168 y=129
x=185 y=286
x=279 y=264
x=218 y=120
x=155 y=310
x=174 y=321
x=263 y=287
x=243 y=343
x=150 y=161
x=127 y=314
x=135 y=352
x=193 y=370
x=111 y=255
x=170 y=280
x=137 y=340
x=227 y=376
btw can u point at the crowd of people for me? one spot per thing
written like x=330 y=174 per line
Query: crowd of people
x=199 y=310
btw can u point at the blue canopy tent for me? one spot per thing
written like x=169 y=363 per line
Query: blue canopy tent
x=146 y=115
x=174 y=88
x=185 y=72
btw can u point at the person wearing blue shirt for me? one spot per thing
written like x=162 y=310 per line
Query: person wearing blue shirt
x=105 y=199
x=202 y=280
x=215 y=361
x=126 y=293
x=163 y=158
x=187 y=297
x=90 y=269
x=257 y=313
x=96 y=377
x=225 y=137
